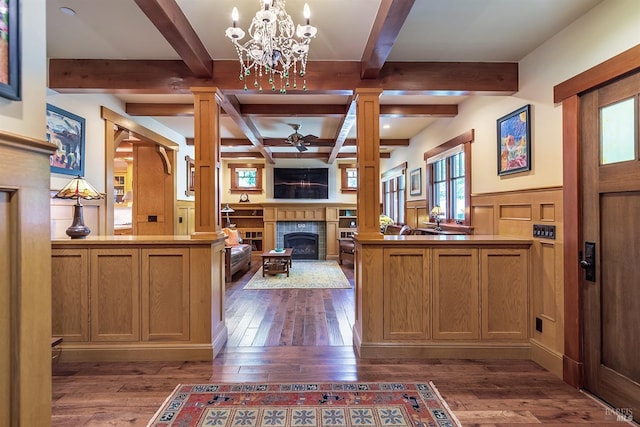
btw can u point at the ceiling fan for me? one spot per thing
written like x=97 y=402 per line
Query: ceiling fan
x=298 y=140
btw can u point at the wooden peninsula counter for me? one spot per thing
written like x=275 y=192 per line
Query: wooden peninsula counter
x=465 y=296
x=138 y=297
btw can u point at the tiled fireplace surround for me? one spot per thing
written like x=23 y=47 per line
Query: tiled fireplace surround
x=318 y=227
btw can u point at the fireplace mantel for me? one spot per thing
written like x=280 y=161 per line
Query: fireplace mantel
x=327 y=212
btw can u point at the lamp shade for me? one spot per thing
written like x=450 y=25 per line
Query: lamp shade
x=227 y=209
x=78 y=188
x=436 y=211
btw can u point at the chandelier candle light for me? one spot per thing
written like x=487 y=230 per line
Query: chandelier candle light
x=272 y=49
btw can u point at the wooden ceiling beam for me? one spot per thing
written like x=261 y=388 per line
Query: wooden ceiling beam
x=246 y=155
x=230 y=104
x=169 y=19
x=281 y=142
x=328 y=77
x=383 y=142
x=347 y=122
x=293 y=110
x=434 y=110
x=158 y=109
x=384 y=32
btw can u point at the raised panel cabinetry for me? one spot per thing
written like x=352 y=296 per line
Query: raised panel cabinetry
x=406 y=306
x=504 y=286
x=123 y=300
x=115 y=295
x=445 y=300
x=456 y=294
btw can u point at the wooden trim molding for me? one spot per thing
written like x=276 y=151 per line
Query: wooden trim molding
x=397 y=170
x=624 y=63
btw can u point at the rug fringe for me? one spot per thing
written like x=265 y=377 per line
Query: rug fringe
x=445 y=404
x=157 y=414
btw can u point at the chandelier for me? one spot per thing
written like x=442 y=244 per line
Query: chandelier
x=276 y=49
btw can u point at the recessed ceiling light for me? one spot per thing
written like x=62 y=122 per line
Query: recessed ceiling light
x=67 y=11
x=387 y=126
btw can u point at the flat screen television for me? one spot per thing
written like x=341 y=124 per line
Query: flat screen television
x=300 y=183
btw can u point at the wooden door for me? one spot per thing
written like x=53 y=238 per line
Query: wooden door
x=153 y=190
x=611 y=244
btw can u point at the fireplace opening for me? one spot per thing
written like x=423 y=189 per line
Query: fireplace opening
x=305 y=245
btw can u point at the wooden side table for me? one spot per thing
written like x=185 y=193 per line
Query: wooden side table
x=276 y=262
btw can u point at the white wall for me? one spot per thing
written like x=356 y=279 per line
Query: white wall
x=335 y=195
x=607 y=30
x=27 y=117
x=88 y=107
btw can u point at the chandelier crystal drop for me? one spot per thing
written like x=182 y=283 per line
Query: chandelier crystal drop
x=276 y=49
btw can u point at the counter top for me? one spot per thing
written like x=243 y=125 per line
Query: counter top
x=441 y=240
x=138 y=240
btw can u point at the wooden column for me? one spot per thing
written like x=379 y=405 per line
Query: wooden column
x=368 y=163
x=207 y=159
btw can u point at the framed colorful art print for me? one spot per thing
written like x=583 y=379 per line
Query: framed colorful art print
x=67 y=132
x=10 y=49
x=514 y=141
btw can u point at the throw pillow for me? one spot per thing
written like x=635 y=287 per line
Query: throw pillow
x=232 y=236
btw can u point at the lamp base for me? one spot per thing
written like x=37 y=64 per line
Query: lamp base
x=78 y=230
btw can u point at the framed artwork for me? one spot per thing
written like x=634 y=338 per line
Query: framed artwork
x=191 y=176
x=415 y=182
x=67 y=132
x=514 y=141
x=10 y=49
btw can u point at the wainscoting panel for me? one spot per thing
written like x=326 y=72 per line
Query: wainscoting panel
x=514 y=213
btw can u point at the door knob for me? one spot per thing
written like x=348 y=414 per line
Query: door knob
x=588 y=263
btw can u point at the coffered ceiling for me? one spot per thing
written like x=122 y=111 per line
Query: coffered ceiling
x=428 y=56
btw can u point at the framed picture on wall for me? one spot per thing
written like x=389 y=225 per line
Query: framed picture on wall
x=10 y=49
x=514 y=141
x=67 y=132
x=191 y=176
x=415 y=182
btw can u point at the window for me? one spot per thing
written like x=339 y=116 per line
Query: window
x=393 y=193
x=448 y=174
x=348 y=178
x=246 y=178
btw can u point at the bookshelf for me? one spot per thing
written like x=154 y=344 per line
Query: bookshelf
x=248 y=219
x=119 y=187
x=347 y=222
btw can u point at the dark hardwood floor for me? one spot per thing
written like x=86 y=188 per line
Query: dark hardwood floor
x=305 y=335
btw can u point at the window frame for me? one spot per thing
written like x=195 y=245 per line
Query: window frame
x=344 y=177
x=394 y=193
x=465 y=140
x=235 y=188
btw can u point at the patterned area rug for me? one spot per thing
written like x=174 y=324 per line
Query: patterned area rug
x=319 y=404
x=304 y=275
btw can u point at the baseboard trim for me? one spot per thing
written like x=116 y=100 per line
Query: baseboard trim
x=445 y=350
x=549 y=359
x=121 y=352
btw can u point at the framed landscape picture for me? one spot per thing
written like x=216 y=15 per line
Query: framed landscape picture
x=9 y=49
x=66 y=131
x=514 y=141
x=415 y=182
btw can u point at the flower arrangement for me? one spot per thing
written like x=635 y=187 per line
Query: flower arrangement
x=384 y=221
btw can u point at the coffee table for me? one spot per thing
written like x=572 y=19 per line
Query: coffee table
x=276 y=262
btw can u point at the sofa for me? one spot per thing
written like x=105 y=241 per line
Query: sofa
x=237 y=255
